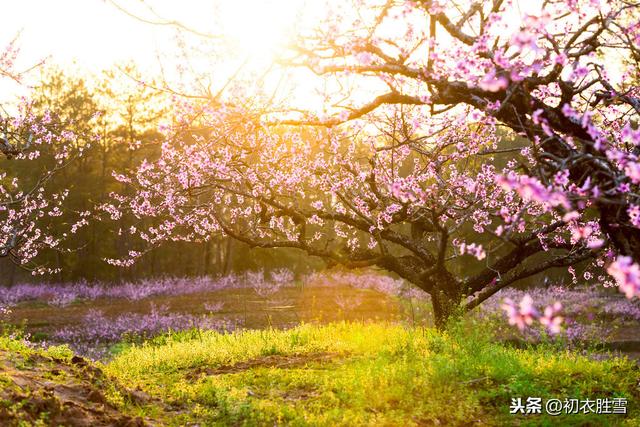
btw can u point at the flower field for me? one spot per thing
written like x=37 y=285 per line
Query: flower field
x=92 y=318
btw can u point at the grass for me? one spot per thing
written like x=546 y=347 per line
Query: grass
x=17 y=347
x=362 y=374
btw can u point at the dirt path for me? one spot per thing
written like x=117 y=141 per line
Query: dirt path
x=272 y=361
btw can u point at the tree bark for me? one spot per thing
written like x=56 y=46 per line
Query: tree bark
x=206 y=258
x=227 y=259
x=446 y=298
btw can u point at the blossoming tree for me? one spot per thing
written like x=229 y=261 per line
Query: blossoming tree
x=478 y=145
x=34 y=148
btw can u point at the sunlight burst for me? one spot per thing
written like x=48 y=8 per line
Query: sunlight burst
x=262 y=32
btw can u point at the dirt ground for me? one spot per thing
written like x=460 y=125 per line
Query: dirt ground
x=41 y=390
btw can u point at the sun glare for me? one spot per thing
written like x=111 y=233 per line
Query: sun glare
x=258 y=28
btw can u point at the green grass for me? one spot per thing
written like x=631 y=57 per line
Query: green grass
x=363 y=374
x=16 y=346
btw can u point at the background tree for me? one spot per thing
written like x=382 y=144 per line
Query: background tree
x=35 y=152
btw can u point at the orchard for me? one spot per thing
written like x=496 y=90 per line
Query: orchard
x=434 y=200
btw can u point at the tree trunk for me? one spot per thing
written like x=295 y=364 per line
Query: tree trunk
x=59 y=264
x=218 y=257
x=12 y=273
x=227 y=260
x=614 y=221
x=206 y=258
x=445 y=301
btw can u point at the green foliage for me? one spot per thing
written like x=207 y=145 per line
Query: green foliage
x=17 y=343
x=365 y=374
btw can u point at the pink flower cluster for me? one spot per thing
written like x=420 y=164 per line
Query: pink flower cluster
x=627 y=275
x=474 y=249
x=524 y=314
x=63 y=294
x=531 y=189
x=99 y=330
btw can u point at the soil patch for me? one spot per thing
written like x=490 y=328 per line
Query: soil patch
x=39 y=389
x=272 y=361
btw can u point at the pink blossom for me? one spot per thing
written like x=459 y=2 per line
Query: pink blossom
x=633 y=172
x=634 y=215
x=581 y=232
x=473 y=249
x=627 y=275
x=365 y=58
x=525 y=40
x=628 y=134
x=524 y=314
x=521 y=315
x=492 y=83
x=561 y=59
x=595 y=243
x=532 y=189
x=551 y=320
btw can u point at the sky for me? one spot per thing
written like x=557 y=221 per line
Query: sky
x=90 y=32
x=93 y=35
